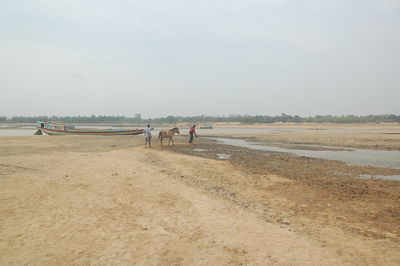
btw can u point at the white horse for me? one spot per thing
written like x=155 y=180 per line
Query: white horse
x=168 y=134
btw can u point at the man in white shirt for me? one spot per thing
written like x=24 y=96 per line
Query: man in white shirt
x=147 y=136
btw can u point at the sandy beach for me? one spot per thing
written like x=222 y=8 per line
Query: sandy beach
x=108 y=200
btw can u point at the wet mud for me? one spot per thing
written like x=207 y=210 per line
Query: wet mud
x=315 y=184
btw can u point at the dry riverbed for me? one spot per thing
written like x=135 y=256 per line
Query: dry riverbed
x=107 y=200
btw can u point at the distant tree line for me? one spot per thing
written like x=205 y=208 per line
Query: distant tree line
x=137 y=118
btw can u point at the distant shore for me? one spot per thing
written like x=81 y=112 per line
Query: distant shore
x=233 y=124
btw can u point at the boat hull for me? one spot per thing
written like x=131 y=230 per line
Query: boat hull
x=110 y=132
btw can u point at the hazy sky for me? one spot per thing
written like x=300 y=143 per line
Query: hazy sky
x=216 y=57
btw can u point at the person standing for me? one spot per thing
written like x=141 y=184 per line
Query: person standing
x=192 y=131
x=147 y=136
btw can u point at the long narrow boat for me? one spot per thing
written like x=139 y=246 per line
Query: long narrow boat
x=60 y=129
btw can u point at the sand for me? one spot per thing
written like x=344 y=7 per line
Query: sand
x=363 y=140
x=107 y=200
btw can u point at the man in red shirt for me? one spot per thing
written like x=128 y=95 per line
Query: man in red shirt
x=192 y=131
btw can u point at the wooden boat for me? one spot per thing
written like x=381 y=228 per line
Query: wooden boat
x=61 y=129
x=207 y=127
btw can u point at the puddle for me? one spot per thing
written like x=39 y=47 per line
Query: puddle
x=16 y=132
x=199 y=150
x=380 y=158
x=297 y=146
x=223 y=156
x=387 y=177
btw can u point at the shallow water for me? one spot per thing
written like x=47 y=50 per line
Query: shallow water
x=387 y=177
x=223 y=156
x=200 y=150
x=218 y=130
x=380 y=158
x=17 y=132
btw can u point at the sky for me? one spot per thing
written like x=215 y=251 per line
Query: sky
x=192 y=57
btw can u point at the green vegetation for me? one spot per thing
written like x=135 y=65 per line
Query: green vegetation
x=137 y=118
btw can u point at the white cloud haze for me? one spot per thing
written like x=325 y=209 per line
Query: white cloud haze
x=215 y=57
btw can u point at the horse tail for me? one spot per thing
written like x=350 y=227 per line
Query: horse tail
x=159 y=135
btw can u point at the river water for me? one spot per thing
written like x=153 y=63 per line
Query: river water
x=17 y=132
x=30 y=130
x=381 y=158
x=357 y=156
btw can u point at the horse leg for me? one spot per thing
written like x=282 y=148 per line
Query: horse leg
x=169 y=140
x=173 y=144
